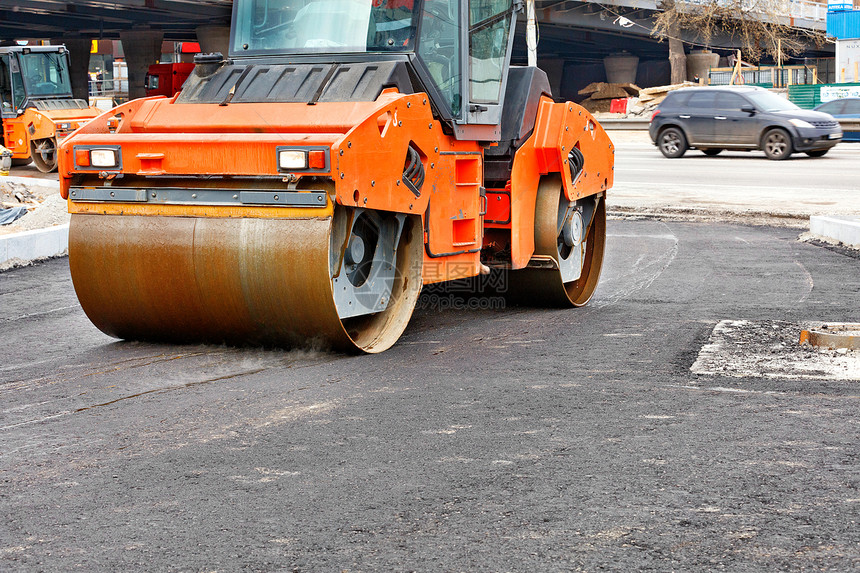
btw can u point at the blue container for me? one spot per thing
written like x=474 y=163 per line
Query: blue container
x=843 y=25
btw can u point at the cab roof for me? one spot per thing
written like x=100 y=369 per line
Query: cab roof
x=31 y=49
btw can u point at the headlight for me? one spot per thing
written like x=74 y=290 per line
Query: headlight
x=801 y=123
x=292 y=160
x=103 y=158
x=65 y=126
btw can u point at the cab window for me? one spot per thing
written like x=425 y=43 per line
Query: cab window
x=18 y=93
x=489 y=26
x=5 y=86
x=439 y=49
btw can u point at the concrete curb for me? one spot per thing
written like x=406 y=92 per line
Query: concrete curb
x=845 y=230
x=51 y=184
x=23 y=248
x=617 y=124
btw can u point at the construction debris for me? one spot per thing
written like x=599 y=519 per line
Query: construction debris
x=639 y=101
x=14 y=194
x=12 y=214
x=604 y=90
x=601 y=94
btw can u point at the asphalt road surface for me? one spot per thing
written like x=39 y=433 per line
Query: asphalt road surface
x=488 y=439
x=734 y=181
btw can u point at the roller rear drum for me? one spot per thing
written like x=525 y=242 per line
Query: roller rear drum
x=248 y=280
x=569 y=242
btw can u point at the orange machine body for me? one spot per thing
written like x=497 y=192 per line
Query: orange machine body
x=34 y=125
x=38 y=107
x=366 y=144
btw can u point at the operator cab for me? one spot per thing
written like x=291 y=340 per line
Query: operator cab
x=31 y=74
x=457 y=50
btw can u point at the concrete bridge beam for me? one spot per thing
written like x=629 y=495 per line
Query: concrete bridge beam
x=79 y=63
x=142 y=48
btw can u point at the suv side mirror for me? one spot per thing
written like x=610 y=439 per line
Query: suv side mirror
x=748 y=108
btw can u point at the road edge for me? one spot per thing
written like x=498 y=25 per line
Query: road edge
x=26 y=247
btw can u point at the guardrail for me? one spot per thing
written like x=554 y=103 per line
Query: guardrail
x=850 y=124
x=798 y=13
x=806 y=10
x=624 y=124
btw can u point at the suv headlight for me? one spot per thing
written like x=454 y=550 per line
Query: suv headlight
x=800 y=123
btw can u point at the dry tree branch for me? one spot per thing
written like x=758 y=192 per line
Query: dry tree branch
x=757 y=25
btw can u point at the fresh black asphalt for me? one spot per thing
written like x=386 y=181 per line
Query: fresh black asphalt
x=488 y=439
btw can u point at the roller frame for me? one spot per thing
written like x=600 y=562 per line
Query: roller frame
x=288 y=254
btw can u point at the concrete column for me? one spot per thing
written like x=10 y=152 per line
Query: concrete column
x=141 y=48
x=79 y=63
x=699 y=63
x=621 y=68
x=214 y=39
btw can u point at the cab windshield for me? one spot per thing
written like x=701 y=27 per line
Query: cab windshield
x=45 y=74
x=324 y=26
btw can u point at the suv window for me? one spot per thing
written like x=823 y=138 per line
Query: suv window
x=703 y=99
x=730 y=102
x=852 y=106
x=675 y=100
x=832 y=107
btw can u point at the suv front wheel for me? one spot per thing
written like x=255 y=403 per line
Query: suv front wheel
x=776 y=144
x=672 y=142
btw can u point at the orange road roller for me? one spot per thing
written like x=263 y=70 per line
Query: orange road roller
x=302 y=190
x=37 y=108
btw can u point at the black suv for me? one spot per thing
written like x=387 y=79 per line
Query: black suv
x=715 y=118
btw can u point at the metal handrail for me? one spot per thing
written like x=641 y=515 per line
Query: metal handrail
x=114 y=88
x=806 y=10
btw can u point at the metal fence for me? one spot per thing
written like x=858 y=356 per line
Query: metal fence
x=769 y=76
x=116 y=89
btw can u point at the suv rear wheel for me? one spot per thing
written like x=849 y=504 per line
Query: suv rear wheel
x=776 y=144
x=672 y=142
x=711 y=151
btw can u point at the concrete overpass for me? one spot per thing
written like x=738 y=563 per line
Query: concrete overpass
x=95 y=19
x=575 y=35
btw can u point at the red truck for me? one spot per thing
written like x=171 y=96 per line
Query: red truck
x=166 y=79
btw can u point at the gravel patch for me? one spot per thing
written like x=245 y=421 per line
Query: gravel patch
x=772 y=349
